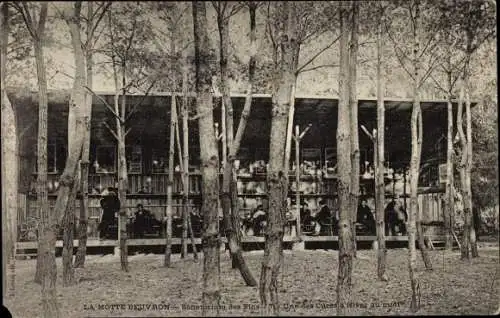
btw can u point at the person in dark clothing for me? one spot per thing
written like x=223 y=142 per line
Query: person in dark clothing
x=308 y=222
x=324 y=217
x=365 y=217
x=110 y=205
x=196 y=222
x=395 y=216
x=259 y=220
x=142 y=222
x=476 y=221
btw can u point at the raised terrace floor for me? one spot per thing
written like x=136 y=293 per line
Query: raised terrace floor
x=249 y=242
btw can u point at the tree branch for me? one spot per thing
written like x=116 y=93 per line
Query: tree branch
x=438 y=85
x=24 y=11
x=43 y=18
x=316 y=55
x=105 y=103
x=104 y=7
x=134 y=108
x=319 y=66
x=126 y=133
x=110 y=130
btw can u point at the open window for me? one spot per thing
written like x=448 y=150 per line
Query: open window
x=54 y=155
x=105 y=160
x=330 y=162
x=133 y=155
x=159 y=162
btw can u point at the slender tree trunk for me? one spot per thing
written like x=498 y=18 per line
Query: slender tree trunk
x=84 y=163
x=450 y=198
x=414 y=169
x=379 y=151
x=76 y=131
x=346 y=248
x=68 y=234
x=185 y=188
x=191 y=236
x=468 y=164
x=465 y=247
x=277 y=174
x=185 y=141
x=122 y=177
x=353 y=105
x=171 y=154
x=227 y=129
x=43 y=203
x=228 y=199
x=10 y=166
x=209 y=163
x=420 y=233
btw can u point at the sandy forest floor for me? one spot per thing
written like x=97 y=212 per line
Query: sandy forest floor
x=307 y=288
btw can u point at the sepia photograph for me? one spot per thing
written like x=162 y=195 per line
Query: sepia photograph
x=249 y=158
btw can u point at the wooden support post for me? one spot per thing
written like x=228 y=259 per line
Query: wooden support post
x=297 y=177
x=288 y=142
x=223 y=133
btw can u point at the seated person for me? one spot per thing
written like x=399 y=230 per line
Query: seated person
x=395 y=217
x=303 y=210
x=259 y=218
x=142 y=221
x=324 y=216
x=176 y=226
x=365 y=216
x=246 y=223
x=308 y=222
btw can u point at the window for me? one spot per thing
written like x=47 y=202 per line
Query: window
x=52 y=158
x=331 y=160
x=159 y=161
x=311 y=160
x=105 y=161
x=134 y=159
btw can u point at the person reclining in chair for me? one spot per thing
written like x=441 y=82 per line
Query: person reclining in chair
x=365 y=217
x=395 y=218
x=325 y=219
x=143 y=221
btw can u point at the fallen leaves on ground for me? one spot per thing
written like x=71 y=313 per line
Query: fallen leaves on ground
x=307 y=286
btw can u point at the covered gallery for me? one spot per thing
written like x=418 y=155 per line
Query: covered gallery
x=147 y=152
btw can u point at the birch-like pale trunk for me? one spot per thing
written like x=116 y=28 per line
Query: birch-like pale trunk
x=209 y=163
x=38 y=37
x=171 y=154
x=84 y=163
x=277 y=174
x=468 y=169
x=468 y=150
x=190 y=232
x=185 y=146
x=379 y=151
x=465 y=246
x=449 y=195
x=344 y=168
x=76 y=132
x=414 y=170
x=10 y=166
x=353 y=105
x=122 y=172
x=229 y=201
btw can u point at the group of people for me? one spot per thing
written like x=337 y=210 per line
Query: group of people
x=323 y=222
x=395 y=218
x=140 y=223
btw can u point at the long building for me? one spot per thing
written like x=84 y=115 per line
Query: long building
x=147 y=151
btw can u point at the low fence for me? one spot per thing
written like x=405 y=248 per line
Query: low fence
x=430 y=208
